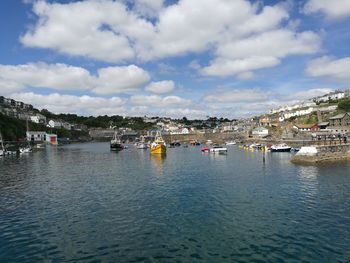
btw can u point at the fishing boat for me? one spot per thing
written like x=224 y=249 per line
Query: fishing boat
x=142 y=143
x=218 y=149
x=230 y=143
x=158 y=146
x=280 y=148
x=116 y=143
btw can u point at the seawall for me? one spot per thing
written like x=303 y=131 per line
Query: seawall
x=202 y=137
x=321 y=154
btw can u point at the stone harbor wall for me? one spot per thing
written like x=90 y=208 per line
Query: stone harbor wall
x=203 y=137
x=322 y=154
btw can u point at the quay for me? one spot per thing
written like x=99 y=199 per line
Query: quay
x=322 y=154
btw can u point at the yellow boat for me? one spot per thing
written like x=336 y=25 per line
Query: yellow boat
x=158 y=146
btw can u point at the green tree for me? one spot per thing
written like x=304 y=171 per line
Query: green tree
x=344 y=105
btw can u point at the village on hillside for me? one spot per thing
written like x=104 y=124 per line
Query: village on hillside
x=322 y=115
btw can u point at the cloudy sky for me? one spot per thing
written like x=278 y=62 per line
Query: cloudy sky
x=193 y=58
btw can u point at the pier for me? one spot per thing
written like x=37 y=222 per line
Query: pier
x=322 y=154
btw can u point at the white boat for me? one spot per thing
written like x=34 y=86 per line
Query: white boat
x=141 y=144
x=26 y=149
x=218 y=149
x=231 y=143
x=280 y=148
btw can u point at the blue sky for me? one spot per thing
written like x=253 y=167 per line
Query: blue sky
x=193 y=58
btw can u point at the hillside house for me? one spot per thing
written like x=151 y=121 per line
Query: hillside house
x=306 y=127
x=38 y=118
x=36 y=136
x=340 y=122
x=260 y=132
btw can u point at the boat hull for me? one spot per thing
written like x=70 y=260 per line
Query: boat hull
x=158 y=149
x=281 y=150
x=116 y=147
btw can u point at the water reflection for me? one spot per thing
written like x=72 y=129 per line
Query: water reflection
x=158 y=163
x=308 y=180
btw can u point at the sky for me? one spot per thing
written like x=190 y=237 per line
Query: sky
x=192 y=58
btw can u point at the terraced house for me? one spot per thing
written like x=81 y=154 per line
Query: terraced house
x=340 y=123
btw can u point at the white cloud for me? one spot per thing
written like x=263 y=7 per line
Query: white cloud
x=149 y=8
x=330 y=68
x=237 y=96
x=226 y=67
x=160 y=87
x=85 y=105
x=83 y=29
x=109 y=80
x=157 y=101
x=308 y=94
x=334 y=9
x=184 y=112
x=9 y=86
x=239 y=33
x=54 y=76
x=120 y=79
x=260 y=51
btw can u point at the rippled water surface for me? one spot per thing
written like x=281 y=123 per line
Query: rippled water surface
x=84 y=203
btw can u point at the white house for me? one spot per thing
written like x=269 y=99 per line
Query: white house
x=336 y=95
x=261 y=131
x=54 y=124
x=36 y=136
x=180 y=131
x=38 y=118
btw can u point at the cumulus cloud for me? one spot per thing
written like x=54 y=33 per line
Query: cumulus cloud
x=148 y=8
x=330 y=68
x=237 y=96
x=333 y=9
x=243 y=35
x=85 y=105
x=160 y=87
x=120 y=79
x=181 y=112
x=308 y=94
x=260 y=51
x=157 y=101
x=54 y=76
x=110 y=80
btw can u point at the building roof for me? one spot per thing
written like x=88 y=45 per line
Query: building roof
x=305 y=126
x=325 y=123
x=339 y=116
x=36 y=132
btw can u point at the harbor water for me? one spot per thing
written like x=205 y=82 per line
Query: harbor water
x=84 y=203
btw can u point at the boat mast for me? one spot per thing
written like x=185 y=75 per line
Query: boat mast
x=2 y=142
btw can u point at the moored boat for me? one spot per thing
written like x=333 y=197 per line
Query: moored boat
x=230 y=143
x=25 y=149
x=218 y=149
x=158 y=146
x=280 y=148
x=205 y=149
x=116 y=143
x=141 y=144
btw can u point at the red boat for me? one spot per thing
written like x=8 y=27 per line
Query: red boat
x=205 y=149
